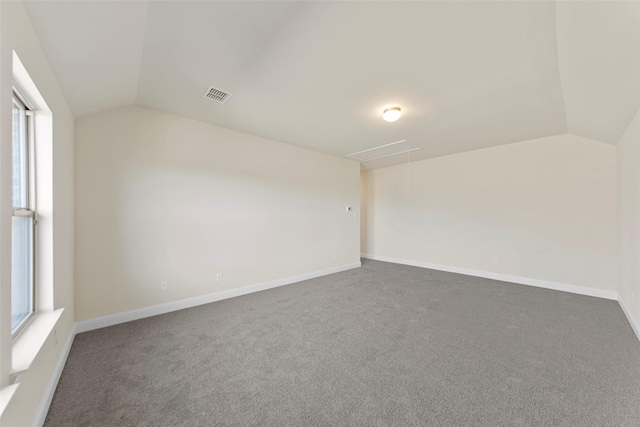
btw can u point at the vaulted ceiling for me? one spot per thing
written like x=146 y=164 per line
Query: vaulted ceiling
x=318 y=74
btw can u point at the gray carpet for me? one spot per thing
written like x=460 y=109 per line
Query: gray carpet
x=382 y=345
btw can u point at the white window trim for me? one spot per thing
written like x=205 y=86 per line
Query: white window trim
x=25 y=347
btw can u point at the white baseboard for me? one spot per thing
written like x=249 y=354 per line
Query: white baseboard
x=43 y=408
x=635 y=324
x=141 y=313
x=582 y=290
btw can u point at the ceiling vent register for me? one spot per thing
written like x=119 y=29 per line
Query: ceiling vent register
x=217 y=95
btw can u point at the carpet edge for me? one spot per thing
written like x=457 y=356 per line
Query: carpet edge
x=557 y=286
x=635 y=325
x=154 y=310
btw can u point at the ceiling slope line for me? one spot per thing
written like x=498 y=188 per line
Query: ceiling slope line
x=142 y=50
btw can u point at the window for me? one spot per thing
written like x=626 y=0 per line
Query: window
x=24 y=217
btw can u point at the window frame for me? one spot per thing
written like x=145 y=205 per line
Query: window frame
x=30 y=210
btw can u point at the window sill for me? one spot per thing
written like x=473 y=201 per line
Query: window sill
x=31 y=340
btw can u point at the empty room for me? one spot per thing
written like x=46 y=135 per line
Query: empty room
x=319 y=213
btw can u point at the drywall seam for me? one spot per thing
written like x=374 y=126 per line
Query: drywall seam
x=635 y=325
x=599 y=293
x=141 y=313
x=47 y=397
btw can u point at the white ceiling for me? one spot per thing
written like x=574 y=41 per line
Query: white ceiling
x=316 y=74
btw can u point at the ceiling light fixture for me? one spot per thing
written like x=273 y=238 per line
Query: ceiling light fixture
x=391 y=114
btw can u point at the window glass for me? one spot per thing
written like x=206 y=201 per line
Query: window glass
x=22 y=232
x=21 y=270
x=19 y=157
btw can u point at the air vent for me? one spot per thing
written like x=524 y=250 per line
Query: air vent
x=217 y=95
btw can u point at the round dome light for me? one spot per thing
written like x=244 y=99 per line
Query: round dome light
x=391 y=114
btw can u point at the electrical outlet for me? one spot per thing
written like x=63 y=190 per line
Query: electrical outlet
x=496 y=261
x=164 y=285
x=218 y=277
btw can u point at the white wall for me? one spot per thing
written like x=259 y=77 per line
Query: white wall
x=160 y=197
x=629 y=218
x=16 y=33
x=364 y=210
x=545 y=208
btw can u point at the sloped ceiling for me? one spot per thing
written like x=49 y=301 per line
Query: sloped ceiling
x=467 y=75
x=599 y=58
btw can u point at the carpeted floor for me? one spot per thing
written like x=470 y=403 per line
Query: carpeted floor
x=382 y=345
